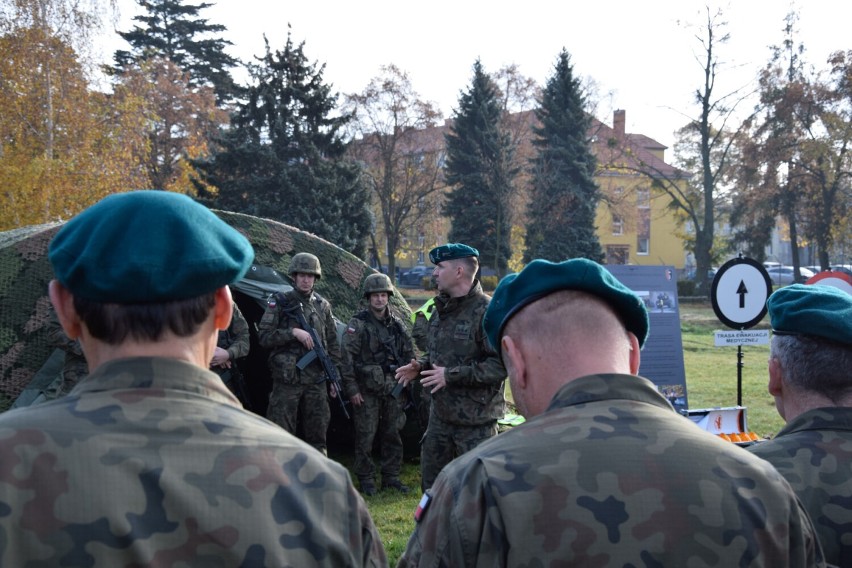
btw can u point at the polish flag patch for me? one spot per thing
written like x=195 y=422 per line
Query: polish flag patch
x=422 y=506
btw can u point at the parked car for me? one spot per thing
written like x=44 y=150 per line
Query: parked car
x=415 y=276
x=844 y=268
x=783 y=275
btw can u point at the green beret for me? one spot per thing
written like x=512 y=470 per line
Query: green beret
x=541 y=277
x=812 y=309
x=451 y=251
x=147 y=246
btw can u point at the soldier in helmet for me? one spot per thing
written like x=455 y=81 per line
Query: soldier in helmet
x=299 y=394
x=376 y=342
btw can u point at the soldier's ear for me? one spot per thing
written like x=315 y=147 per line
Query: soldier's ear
x=513 y=360
x=776 y=378
x=635 y=357
x=224 y=308
x=63 y=304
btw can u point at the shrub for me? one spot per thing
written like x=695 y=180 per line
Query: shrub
x=489 y=283
x=685 y=288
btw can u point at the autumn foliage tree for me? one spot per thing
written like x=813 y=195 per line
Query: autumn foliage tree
x=796 y=161
x=402 y=165
x=180 y=120
x=62 y=146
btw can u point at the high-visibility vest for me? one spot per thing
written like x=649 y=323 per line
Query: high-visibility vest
x=427 y=309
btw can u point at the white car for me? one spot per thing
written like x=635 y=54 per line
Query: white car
x=782 y=275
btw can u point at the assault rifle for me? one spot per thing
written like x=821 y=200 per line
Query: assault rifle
x=318 y=352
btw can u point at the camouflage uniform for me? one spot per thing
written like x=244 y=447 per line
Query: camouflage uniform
x=299 y=392
x=75 y=368
x=197 y=481
x=814 y=453
x=368 y=370
x=610 y=475
x=236 y=340
x=465 y=412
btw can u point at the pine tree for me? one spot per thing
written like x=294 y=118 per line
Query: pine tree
x=478 y=167
x=283 y=157
x=173 y=30
x=564 y=195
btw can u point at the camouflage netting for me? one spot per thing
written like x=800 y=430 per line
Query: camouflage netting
x=25 y=273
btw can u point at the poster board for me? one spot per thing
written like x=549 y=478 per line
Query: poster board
x=662 y=355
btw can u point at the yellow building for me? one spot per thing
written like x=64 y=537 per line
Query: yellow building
x=634 y=223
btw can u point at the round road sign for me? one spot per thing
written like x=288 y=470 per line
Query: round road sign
x=739 y=293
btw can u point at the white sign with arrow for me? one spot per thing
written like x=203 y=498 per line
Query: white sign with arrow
x=739 y=293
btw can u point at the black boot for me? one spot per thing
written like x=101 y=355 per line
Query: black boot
x=368 y=488
x=395 y=484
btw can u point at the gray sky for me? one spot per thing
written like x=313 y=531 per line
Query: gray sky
x=640 y=52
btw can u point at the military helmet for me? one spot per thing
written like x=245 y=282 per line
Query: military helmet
x=305 y=263
x=377 y=283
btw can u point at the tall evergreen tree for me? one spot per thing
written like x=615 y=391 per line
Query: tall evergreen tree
x=564 y=194
x=480 y=171
x=283 y=157
x=174 y=30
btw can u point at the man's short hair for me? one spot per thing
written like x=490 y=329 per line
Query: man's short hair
x=114 y=323
x=814 y=364
x=470 y=263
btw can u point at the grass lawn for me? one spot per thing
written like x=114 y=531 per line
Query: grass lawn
x=711 y=381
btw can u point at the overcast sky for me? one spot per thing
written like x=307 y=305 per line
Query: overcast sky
x=643 y=53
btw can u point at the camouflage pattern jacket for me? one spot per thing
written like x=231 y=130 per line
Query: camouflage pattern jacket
x=372 y=348
x=236 y=340
x=474 y=372
x=275 y=332
x=814 y=453
x=611 y=475
x=151 y=462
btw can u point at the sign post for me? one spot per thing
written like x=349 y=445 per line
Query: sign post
x=738 y=294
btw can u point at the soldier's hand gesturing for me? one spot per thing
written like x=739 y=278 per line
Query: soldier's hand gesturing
x=408 y=373
x=434 y=379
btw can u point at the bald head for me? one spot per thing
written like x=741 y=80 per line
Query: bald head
x=563 y=336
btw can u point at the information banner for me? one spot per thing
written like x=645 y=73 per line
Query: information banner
x=662 y=356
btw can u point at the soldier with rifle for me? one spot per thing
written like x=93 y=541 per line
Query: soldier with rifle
x=375 y=344
x=301 y=385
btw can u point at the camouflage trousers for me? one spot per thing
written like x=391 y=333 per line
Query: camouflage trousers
x=382 y=415
x=443 y=442
x=289 y=403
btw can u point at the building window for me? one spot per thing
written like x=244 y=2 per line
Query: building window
x=617 y=225
x=617 y=254
x=643 y=197
x=643 y=232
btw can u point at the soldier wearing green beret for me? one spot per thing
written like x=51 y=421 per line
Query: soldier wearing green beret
x=464 y=376
x=150 y=460
x=603 y=472
x=810 y=377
